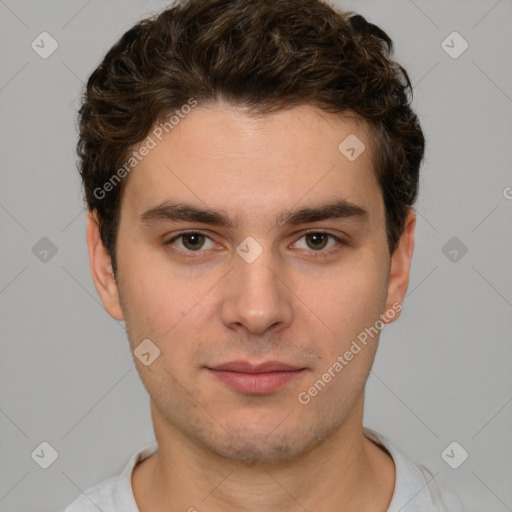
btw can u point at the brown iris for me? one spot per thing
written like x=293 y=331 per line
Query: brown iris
x=319 y=240
x=197 y=241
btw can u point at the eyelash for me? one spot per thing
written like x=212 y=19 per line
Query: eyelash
x=321 y=253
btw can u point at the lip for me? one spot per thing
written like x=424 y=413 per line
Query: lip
x=248 y=367
x=256 y=379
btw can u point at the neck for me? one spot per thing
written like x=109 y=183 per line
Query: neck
x=345 y=472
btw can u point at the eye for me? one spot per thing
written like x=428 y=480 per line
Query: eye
x=317 y=241
x=192 y=241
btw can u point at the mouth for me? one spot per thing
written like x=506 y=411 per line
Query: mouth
x=256 y=379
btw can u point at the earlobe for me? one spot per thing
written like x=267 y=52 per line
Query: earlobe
x=101 y=269
x=400 y=269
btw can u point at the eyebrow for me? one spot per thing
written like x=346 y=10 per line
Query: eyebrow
x=170 y=211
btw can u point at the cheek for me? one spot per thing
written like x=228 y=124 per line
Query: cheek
x=164 y=304
x=350 y=305
x=153 y=299
x=352 y=298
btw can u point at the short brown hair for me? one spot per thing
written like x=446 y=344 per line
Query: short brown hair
x=264 y=55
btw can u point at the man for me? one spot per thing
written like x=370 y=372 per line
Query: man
x=250 y=169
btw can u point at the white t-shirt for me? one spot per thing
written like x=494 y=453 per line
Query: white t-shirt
x=415 y=488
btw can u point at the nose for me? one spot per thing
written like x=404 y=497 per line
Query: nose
x=256 y=295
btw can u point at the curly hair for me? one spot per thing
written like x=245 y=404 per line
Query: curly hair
x=265 y=56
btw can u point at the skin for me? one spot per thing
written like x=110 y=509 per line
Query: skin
x=221 y=449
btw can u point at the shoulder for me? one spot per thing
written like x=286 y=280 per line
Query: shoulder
x=114 y=494
x=100 y=496
x=97 y=497
x=416 y=489
x=443 y=500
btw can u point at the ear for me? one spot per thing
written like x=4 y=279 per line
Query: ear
x=101 y=269
x=399 y=270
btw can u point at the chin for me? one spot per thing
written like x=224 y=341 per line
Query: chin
x=250 y=448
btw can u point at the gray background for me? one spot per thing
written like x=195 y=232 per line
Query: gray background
x=443 y=370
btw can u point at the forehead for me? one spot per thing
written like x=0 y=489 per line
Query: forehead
x=224 y=158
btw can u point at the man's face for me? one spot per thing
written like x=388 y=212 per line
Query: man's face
x=259 y=290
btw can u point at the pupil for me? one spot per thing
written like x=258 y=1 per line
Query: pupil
x=318 y=237
x=194 y=237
